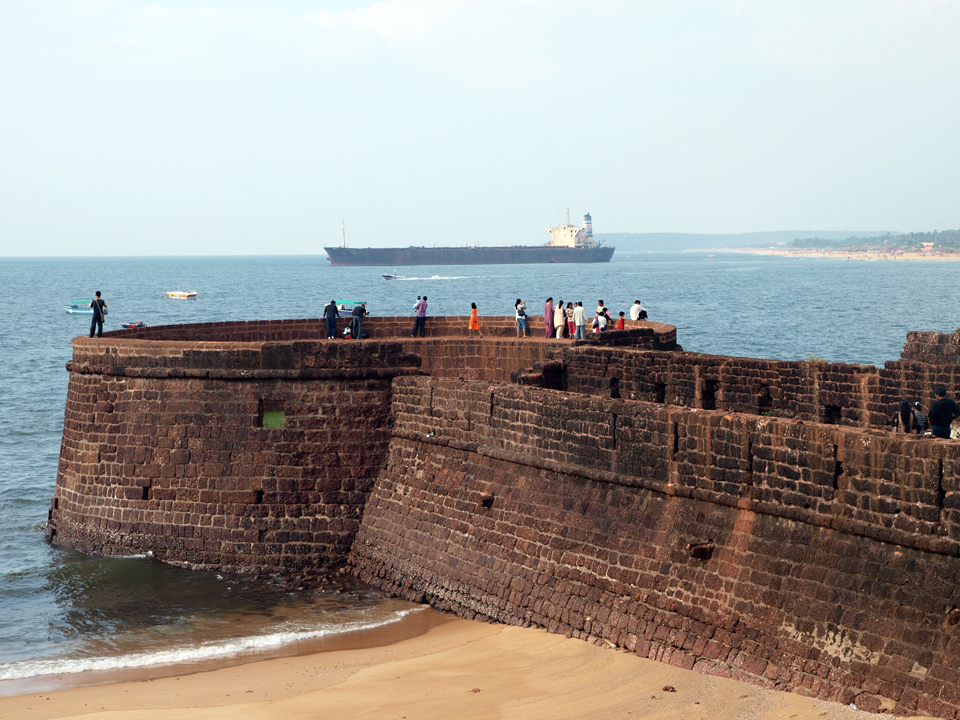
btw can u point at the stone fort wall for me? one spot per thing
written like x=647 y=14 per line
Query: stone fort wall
x=750 y=518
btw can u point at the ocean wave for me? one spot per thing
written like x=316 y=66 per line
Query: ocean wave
x=438 y=277
x=184 y=655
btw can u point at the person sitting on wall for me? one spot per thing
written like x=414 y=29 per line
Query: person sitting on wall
x=943 y=411
x=638 y=311
x=600 y=322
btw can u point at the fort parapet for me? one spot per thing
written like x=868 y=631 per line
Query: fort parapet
x=750 y=518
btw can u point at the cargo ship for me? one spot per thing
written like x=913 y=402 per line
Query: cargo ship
x=568 y=244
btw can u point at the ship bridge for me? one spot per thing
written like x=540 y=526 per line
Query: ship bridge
x=568 y=235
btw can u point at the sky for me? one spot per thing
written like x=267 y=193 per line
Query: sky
x=255 y=127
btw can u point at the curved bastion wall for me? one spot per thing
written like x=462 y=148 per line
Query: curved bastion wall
x=249 y=446
x=750 y=518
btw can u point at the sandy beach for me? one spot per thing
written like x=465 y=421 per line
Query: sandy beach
x=457 y=669
x=850 y=255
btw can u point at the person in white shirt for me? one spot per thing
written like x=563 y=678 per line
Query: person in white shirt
x=580 y=322
x=638 y=311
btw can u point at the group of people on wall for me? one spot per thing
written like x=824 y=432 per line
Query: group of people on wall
x=354 y=330
x=561 y=321
x=570 y=321
x=937 y=420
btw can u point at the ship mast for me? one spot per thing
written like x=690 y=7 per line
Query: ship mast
x=343 y=228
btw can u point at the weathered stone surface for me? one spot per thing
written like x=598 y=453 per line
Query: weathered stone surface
x=748 y=518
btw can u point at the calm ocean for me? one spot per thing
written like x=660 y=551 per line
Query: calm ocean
x=64 y=613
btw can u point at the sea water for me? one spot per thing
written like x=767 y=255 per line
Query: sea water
x=67 y=615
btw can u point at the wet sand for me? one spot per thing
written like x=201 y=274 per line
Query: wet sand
x=457 y=669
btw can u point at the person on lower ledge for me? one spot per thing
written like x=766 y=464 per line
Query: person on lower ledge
x=943 y=411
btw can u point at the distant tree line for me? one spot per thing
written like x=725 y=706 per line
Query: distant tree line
x=903 y=241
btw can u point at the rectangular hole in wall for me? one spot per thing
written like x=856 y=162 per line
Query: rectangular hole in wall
x=832 y=414
x=269 y=415
x=659 y=392
x=764 y=400
x=273 y=418
x=941 y=494
x=145 y=493
x=708 y=400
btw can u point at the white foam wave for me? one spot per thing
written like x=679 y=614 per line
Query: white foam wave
x=206 y=651
x=438 y=277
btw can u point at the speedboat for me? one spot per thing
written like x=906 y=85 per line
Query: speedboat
x=79 y=307
x=181 y=294
x=395 y=276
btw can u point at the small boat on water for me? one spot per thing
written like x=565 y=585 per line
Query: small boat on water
x=181 y=294
x=135 y=324
x=345 y=307
x=78 y=307
x=395 y=276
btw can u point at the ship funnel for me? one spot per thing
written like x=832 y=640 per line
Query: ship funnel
x=588 y=225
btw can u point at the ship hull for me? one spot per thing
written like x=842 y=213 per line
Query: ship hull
x=513 y=255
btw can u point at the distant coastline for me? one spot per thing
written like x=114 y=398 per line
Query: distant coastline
x=865 y=254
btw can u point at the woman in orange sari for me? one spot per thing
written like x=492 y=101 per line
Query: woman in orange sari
x=474 y=320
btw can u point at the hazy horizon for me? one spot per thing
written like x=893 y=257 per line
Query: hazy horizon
x=260 y=128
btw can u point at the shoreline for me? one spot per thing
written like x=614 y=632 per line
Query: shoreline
x=417 y=621
x=455 y=669
x=844 y=255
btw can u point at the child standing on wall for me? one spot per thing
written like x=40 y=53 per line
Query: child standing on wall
x=474 y=320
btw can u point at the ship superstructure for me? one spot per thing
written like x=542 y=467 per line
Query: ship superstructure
x=572 y=236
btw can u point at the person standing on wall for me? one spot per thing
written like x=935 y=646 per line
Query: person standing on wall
x=559 y=323
x=99 y=311
x=330 y=314
x=943 y=411
x=521 y=310
x=580 y=322
x=548 y=317
x=919 y=419
x=420 y=323
x=356 y=322
x=474 y=320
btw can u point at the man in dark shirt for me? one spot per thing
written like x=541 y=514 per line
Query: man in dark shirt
x=356 y=324
x=942 y=412
x=330 y=314
x=99 y=310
